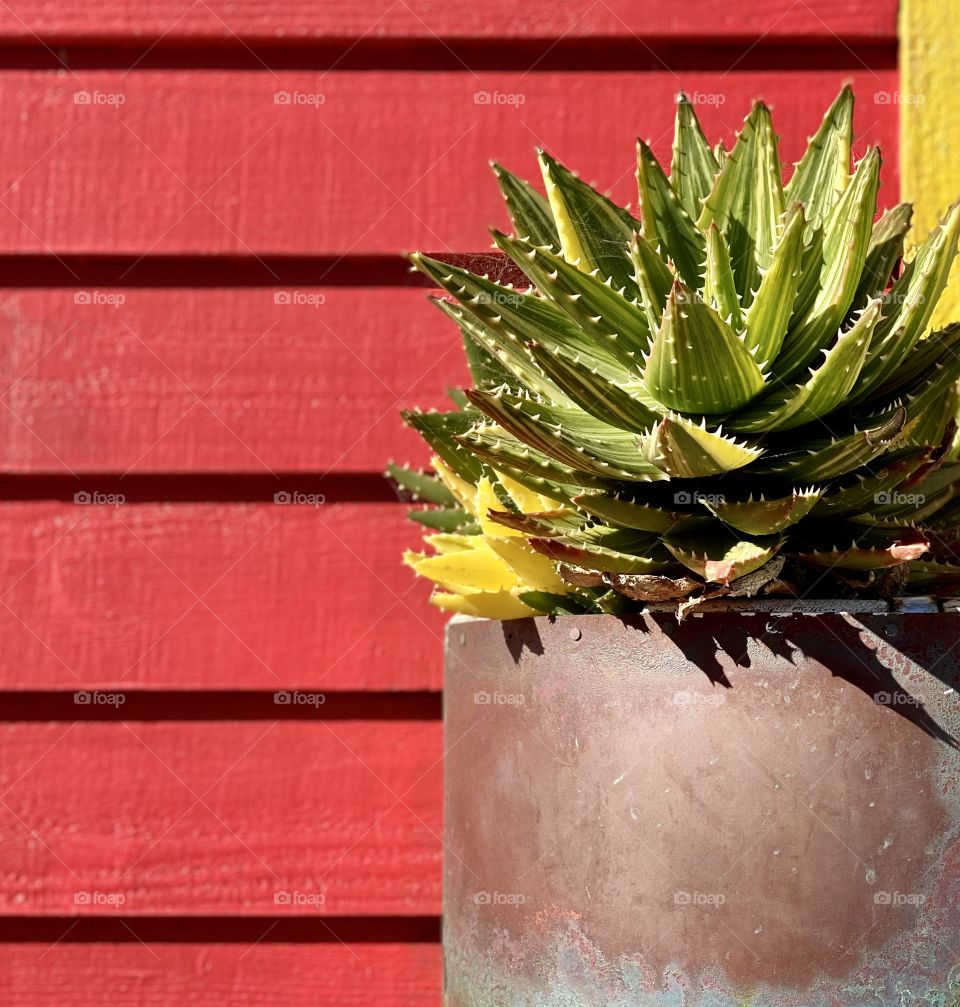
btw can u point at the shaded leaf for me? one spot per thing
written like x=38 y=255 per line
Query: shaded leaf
x=873 y=549
x=719 y=557
x=864 y=492
x=883 y=254
x=547 y=603
x=828 y=458
x=627 y=513
x=940 y=345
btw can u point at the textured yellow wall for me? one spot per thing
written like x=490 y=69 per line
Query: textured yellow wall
x=930 y=121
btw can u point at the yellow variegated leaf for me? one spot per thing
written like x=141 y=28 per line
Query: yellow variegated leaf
x=533 y=569
x=465 y=493
x=465 y=571
x=486 y=501
x=528 y=501
x=496 y=605
x=685 y=449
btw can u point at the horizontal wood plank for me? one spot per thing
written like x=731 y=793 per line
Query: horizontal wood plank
x=250 y=380
x=350 y=163
x=213 y=597
x=257 y=819
x=249 y=20
x=217 y=975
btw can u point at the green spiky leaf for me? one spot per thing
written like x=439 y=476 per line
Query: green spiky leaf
x=762 y=516
x=440 y=431
x=719 y=287
x=420 y=485
x=768 y=316
x=539 y=472
x=590 y=302
x=570 y=436
x=529 y=211
x=846 y=237
x=910 y=303
x=697 y=363
x=827 y=388
x=747 y=201
x=653 y=279
x=446 y=519
x=625 y=404
x=685 y=449
x=694 y=165
x=623 y=555
x=665 y=221
x=823 y=172
x=594 y=232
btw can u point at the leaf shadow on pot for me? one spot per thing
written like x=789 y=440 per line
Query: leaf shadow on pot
x=853 y=649
x=520 y=634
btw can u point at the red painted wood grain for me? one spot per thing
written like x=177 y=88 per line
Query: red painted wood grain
x=253 y=819
x=212 y=816
x=225 y=596
x=219 y=975
x=248 y=19
x=208 y=162
x=218 y=380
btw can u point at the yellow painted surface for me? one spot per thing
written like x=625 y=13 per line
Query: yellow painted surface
x=929 y=102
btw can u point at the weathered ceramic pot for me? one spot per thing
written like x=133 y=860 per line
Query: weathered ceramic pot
x=751 y=807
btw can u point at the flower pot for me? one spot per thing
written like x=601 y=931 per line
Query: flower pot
x=755 y=806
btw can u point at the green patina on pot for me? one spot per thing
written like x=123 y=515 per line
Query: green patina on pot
x=748 y=808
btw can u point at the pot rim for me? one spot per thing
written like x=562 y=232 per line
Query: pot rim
x=913 y=605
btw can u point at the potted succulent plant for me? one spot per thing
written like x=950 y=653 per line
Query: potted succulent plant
x=718 y=440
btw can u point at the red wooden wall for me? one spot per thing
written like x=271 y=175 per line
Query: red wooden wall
x=203 y=305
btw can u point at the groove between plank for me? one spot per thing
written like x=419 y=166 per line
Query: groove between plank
x=122 y=705
x=272 y=271
x=221 y=929
x=197 y=487
x=567 y=54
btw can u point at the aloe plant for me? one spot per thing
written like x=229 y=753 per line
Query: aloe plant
x=733 y=394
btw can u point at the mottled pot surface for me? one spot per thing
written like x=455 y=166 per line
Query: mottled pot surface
x=746 y=808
